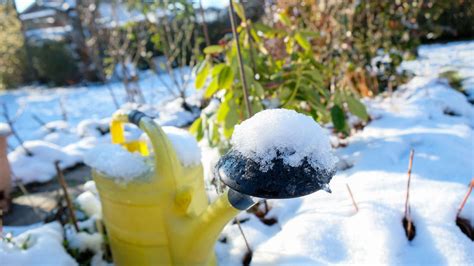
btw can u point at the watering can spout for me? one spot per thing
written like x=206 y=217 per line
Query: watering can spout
x=215 y=217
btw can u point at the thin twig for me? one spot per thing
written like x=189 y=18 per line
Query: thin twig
x=63 y=109
x=39 y=120
x=352 y=198
x=407 y=197
x=243 y=235
x=249 y=36
x=471 y=185
x=239 y=57
x=204 y=25
x=63 y=184
x=112 y=95
x=10 y=123
x=217 y=185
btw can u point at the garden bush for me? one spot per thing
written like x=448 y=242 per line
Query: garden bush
x=54 y=63
x=316 y=57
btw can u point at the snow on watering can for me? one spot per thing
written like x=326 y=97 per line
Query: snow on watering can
x=162 y=217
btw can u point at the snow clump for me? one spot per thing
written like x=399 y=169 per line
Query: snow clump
x=116 y=162
x=284 y=134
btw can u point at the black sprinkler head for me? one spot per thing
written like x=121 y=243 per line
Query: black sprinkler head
x=281 y=181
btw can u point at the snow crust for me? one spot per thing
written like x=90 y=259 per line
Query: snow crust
x=4 y=129
x=285 y=134
x=43 y=245
x=90 y=204
x=116 y=162
x=322 y=229
x=185 y=145
x=40 y=166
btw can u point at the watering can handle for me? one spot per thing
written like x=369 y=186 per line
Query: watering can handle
x=166 y=160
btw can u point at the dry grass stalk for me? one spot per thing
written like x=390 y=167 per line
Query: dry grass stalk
x=352 y=198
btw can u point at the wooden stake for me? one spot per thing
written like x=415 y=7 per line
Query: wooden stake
x=63 y=184
x=352 y=198
x=407 y=197
x=471 y=185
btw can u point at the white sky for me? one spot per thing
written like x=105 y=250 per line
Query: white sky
x=22 y=4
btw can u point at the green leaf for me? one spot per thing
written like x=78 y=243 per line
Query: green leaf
x=217 y=69
x=338 y=118
x=239 y=9
x=357 y=108
x=260 y=92
x=225 y=78
x=211 y=89
x=213 y=49
x=196 y=129
x=223 y=110
x=202 y=75
x=231 y=120
x=266 y=30
x=284 y=19
x=303 y=42
x=214 y=133
x=309 y=33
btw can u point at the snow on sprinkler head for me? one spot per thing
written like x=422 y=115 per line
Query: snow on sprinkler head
x=278 y=154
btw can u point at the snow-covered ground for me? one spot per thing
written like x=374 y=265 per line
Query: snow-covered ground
x=88 y=111
x=425 y=115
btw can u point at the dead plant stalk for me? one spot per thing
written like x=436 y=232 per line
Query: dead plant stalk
x=461 y=207
x=63 y=184
x=352 y=198
x=407 y=197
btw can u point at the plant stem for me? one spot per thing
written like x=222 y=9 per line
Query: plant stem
x=243 y=235
x=407 y=197
x=352 y=198
x=249 y=36
x=204 y=25
x=63 y=184
x=471 y=185
x=63 y=109
x=239 y=57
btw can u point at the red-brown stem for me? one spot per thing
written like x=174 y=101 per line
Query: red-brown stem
x=63 y=184
x=243 y=235
x=352 y=198
x=407 y=198
x=471 y=185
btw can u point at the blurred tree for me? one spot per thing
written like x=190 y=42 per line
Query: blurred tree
x=12 y=52
x=87 y=34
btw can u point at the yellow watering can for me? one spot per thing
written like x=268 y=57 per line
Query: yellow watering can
x=164 y=218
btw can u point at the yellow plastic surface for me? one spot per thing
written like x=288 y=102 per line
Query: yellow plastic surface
x=118 y=137
x=163 y=218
